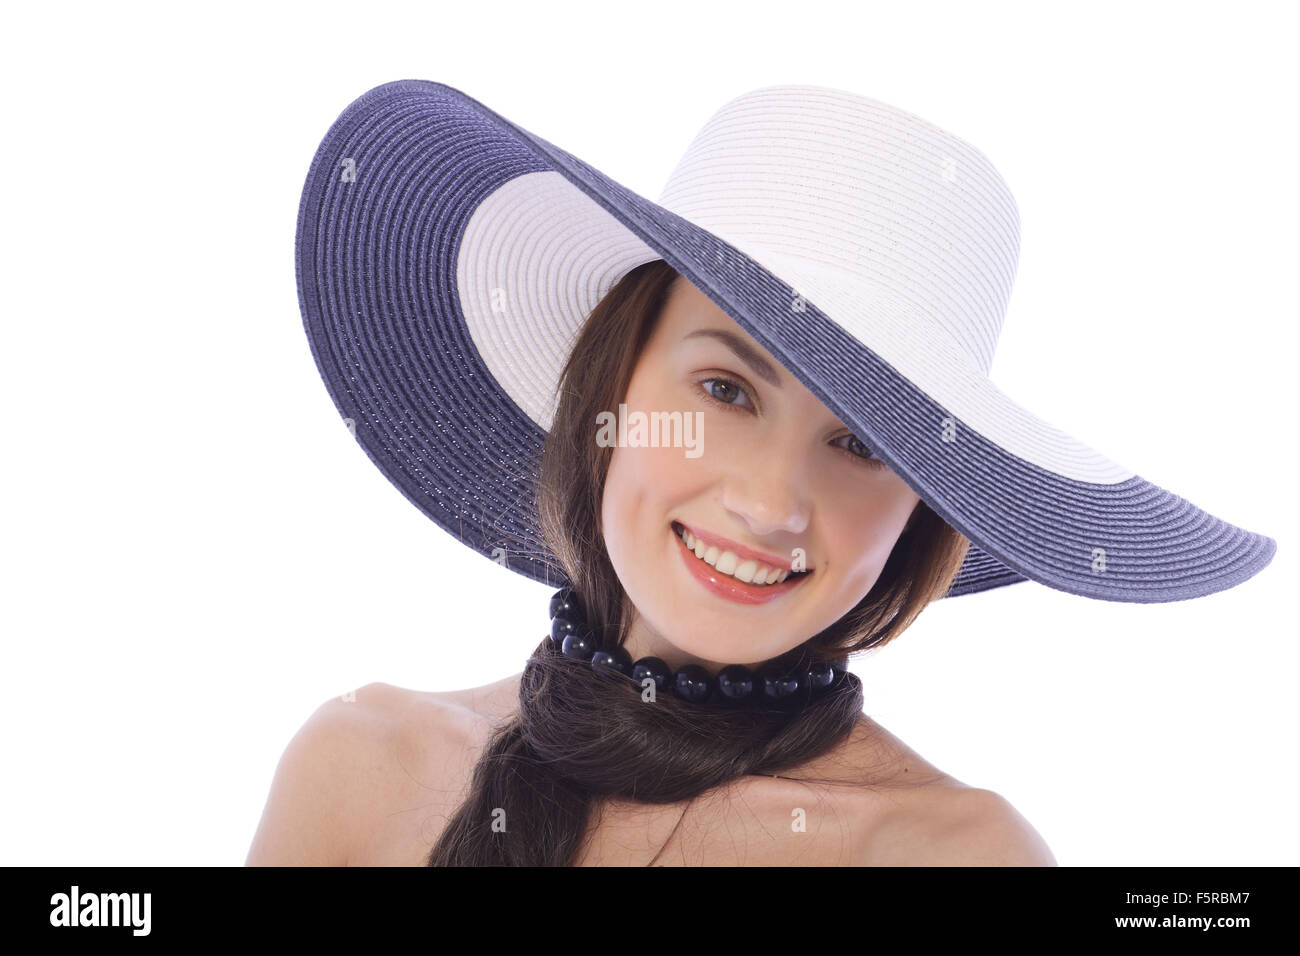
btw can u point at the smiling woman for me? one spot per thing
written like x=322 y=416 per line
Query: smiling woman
x=821 y=286
x=576 y=756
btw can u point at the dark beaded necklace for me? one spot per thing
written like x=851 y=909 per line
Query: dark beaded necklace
x=776 y=685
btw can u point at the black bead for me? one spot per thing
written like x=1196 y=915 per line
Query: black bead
x=656 y=669
x=612 y=659
x=579 y=646
x=736 y=682
x=820 y=675
x=693 y=683
x=778 y=686
x=564 y=603
x=562 y=627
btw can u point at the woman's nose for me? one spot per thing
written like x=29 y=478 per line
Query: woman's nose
x=769 y=497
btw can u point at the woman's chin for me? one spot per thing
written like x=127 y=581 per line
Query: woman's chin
x=713 y=655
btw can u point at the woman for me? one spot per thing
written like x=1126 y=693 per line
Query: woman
x=682 y=712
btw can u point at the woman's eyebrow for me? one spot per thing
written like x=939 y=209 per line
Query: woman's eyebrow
x=744 y=351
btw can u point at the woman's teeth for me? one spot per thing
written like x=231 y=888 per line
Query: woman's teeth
x=726 y=562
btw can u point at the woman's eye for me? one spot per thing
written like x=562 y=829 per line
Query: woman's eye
x=857 y=449
x=723 y=391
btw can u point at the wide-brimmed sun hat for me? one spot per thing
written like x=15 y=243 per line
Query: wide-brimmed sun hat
x=447 y=258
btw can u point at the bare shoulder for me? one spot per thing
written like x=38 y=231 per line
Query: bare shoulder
x=494 y=702
x=911 y=813
x=350 y=758
x=952 y=824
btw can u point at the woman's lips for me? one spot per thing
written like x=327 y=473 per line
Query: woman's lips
x=742 y=552
x=731 y=588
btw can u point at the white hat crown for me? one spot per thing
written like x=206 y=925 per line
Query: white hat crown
x=807 y=178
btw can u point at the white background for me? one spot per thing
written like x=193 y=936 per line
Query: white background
x=196 y=553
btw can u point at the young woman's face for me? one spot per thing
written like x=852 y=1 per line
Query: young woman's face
x=775 y=472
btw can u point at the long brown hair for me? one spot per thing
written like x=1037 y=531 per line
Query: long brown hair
x=577 y=736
